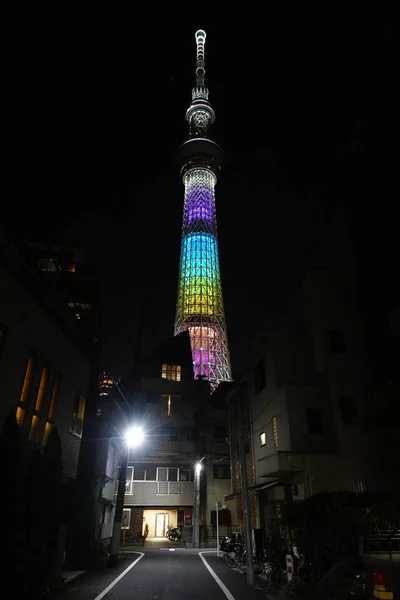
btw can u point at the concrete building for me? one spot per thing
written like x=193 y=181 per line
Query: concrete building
x=44 y=375
x=306 y=389
x=183 y=425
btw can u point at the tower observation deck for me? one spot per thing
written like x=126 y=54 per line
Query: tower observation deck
x=200 y=307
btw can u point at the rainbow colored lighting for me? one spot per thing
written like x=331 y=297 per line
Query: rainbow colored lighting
x=200 y=307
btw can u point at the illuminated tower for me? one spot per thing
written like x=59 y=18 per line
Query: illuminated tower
x=200 y=307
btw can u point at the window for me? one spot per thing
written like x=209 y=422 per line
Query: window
x=219 y=433
x=336 y=341
x=26 y=388
x=275 y=432
x=171 y=403
x=263 y=439
x=186 y=475
x=129 y=480
x=41 y=390
x=53 y=399
x=168 y=481
x=259 y=376
x=167 y=473
x=171 y=372
x=126 y=518
x=139 y=473
x=222 y=471
x=314 y=421
x=78 y=415
x=348 y=409
x=359 y=486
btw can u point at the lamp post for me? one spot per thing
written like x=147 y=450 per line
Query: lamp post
x=196 y=518
x=134 y=436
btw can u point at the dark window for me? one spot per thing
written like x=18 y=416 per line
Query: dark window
x=259 y=376
x=336 y=341
x=348 y=409
x=314 y=420
x=222 y=472
x=219 y=433
x=139 y=473
x=150 y=473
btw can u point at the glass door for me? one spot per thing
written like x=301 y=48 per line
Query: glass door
x=162 y=521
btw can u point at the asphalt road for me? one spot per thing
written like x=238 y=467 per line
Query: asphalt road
x=163 y=575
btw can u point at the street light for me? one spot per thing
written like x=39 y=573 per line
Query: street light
x=196 y=519
x=134 y=437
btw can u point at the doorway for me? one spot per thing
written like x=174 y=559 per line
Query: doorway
x=162 y=521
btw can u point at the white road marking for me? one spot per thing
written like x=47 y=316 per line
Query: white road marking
x=214 y=575
x=109 y=587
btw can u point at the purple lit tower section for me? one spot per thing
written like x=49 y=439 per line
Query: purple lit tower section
x=200 y=307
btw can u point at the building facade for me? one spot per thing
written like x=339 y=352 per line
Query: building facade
x=183 y=425
x=307 y=395
x=200 y=307
x=44 y=373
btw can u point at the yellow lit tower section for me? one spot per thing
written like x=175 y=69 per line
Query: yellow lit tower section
x=200 y=307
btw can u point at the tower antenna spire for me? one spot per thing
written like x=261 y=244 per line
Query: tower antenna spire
x=200 y=36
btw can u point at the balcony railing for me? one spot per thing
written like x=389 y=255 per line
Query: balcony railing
x=167 y=488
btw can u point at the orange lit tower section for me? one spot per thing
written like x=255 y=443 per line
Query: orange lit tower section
x=200 y=307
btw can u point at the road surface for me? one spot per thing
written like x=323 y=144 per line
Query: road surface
x=162 y=574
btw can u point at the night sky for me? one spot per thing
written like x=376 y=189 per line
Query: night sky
x=299 y=99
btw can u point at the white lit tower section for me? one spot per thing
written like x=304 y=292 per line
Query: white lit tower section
x=200 y=307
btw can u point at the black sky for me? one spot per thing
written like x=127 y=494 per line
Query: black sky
x=101 y=104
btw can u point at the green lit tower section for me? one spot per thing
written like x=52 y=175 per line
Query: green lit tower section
x=200 y=307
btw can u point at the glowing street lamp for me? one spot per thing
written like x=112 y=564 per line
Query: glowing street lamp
x=134 y=436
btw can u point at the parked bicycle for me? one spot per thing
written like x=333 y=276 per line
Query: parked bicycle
x=174 y=534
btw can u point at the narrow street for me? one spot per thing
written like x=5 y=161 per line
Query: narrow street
x=164 y=574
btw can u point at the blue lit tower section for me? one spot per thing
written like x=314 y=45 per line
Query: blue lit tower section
x=200 y=307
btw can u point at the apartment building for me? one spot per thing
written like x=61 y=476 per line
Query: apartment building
x=183 y=425
x=306 y=391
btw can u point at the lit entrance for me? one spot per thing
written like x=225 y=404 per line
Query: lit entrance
x=162 y=521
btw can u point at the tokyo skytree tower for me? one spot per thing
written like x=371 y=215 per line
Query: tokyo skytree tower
x=200 y=307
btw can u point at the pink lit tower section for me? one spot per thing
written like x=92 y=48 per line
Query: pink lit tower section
x=200 y=307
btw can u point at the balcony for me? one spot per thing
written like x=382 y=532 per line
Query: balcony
x=161 y=493
x=166 y=488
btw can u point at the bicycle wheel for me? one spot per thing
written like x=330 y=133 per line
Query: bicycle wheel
x=231 y=559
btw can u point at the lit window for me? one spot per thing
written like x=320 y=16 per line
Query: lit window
x=52 y=406
x=54 y=396
x=27 y=380
x=47 y=431
x=169 y=406
x=262 y=439
x=78 y=415
x=171 y=402
x=171 y=372
x=41 y=390
x=20 y=415
x=26 y=388
x=275 y=432
x=34 y=424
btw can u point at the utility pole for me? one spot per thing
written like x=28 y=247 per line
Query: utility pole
x=245 y=496
x=196 y=516
x=116 y=536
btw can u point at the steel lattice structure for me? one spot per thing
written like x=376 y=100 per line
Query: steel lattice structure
x=200 y=307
